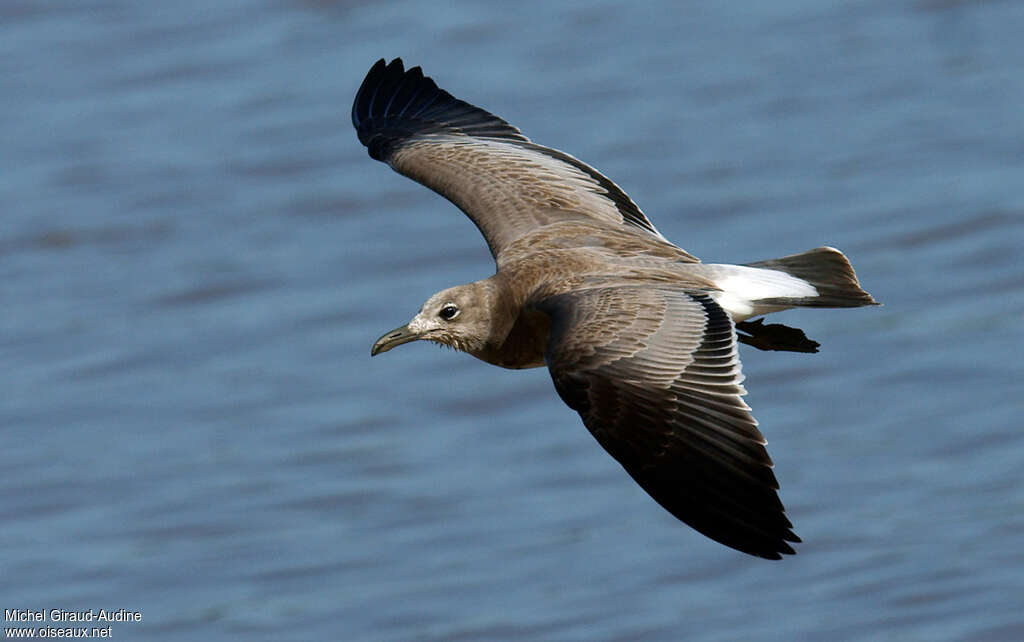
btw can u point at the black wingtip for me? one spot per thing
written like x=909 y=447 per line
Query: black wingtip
x=394 y=104
x=769 y=548
x=365 y=89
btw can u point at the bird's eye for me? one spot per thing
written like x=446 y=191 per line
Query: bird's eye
x=449 y=311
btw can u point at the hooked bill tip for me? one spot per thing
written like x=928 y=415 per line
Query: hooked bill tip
x=396 y=337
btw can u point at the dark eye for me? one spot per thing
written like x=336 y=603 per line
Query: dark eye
x=449 y=311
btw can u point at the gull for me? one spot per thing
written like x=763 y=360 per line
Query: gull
x=639 y=336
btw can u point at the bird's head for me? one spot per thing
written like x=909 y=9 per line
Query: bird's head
x=458 y=317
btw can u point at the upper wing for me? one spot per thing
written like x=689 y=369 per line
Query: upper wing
x=506 y=184
x=655 y=375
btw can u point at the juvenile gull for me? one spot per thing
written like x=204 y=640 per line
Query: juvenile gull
x=639 y=336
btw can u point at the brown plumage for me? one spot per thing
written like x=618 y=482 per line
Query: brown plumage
x=639 y=336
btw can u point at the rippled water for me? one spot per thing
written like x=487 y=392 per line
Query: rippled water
x=196 y=254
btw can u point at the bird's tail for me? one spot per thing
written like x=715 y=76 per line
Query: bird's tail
x=828 y=271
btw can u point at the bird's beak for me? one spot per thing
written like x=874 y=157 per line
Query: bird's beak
x=396 y=337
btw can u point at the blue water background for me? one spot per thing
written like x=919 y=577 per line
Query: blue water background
x=196 y=255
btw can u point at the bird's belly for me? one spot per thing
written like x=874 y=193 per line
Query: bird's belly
x=523 y=364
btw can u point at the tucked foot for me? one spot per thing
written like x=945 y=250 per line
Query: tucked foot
x=774 y=336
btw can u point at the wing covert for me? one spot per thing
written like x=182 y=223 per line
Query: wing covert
x=505 y=183
x=655 y=376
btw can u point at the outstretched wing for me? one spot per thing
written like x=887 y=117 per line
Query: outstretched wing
x=655 y=375
x=506 y=184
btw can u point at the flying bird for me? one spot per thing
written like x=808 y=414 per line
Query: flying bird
x=639 y=336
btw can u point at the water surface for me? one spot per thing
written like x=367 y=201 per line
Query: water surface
x=196 y=255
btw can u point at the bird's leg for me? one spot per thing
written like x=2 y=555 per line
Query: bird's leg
x=774 y=336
